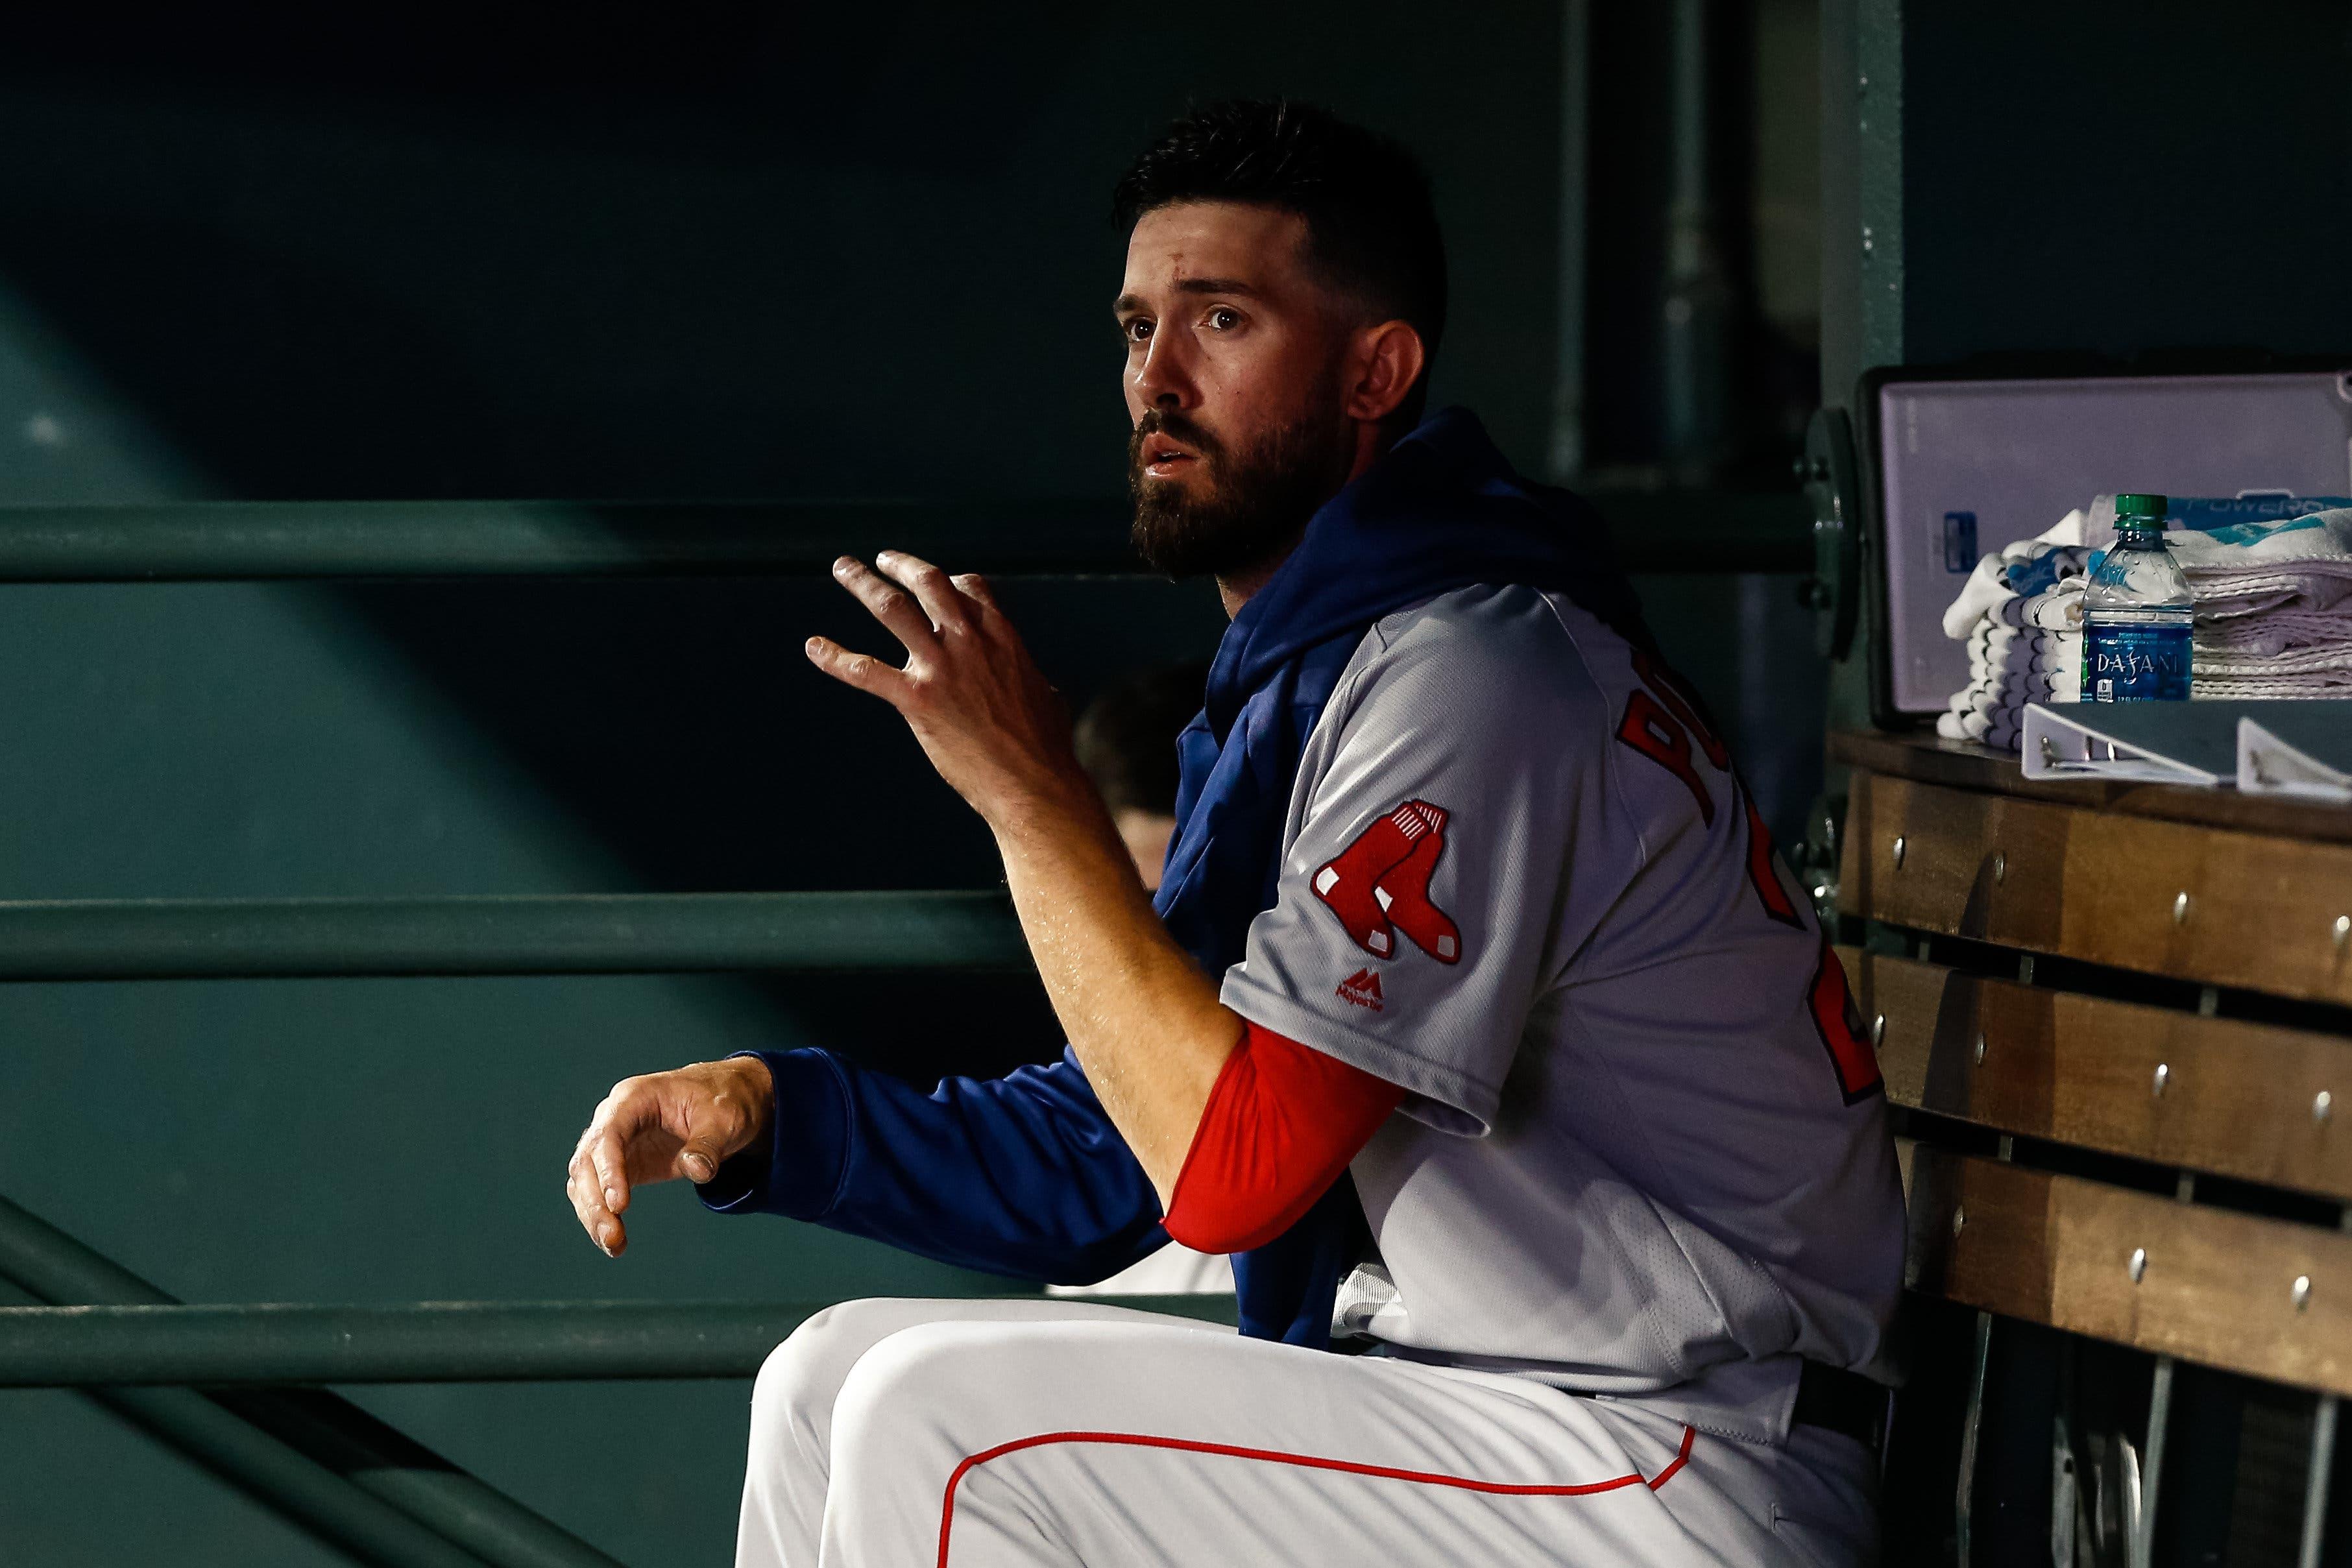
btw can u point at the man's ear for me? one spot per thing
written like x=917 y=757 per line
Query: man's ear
x=1386 y=363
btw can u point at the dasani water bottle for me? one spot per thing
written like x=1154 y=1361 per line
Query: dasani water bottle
x=2136 y=613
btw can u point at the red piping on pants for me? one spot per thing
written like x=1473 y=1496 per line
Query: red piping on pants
x=1304 y=1461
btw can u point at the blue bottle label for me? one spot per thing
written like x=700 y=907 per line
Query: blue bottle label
x=2135 y=664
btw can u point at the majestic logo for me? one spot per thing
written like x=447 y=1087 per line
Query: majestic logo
x=1378 y=885
x=1364 y=989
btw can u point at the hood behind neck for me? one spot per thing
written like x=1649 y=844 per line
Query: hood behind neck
x=1441 y=509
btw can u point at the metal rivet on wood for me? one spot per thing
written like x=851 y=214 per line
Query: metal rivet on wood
x=2138 y=1265
x=2180 y=909
x=1999 y=867
x=2163 y=1076
x=1959 y=1220
x=2302 y=1291
x=2341 y=931
x=1899 y=852
x=1979 y=1045
x=1878 y=1030
x=2323 y=1105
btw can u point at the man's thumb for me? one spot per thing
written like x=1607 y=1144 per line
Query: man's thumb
x=698 y=1161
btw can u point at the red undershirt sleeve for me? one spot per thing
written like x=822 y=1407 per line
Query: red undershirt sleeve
x=1282 y=1122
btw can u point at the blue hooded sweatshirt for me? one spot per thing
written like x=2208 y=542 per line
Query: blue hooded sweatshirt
x=1024 y=1175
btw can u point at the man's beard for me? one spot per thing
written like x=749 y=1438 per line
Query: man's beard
x=1256 y=502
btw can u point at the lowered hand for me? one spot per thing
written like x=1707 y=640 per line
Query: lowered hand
x=660 y=1126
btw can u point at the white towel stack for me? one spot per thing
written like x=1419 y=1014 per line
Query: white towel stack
x=2011 y=666
x=2273 y=617
x=2021 y=617
x=2273 y=607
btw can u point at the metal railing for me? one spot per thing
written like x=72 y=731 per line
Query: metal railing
x=559 y=934
x=267 y=1344
x=229 y=1387
x=319 y=1460
x=1655 y=531
x=225 y=1386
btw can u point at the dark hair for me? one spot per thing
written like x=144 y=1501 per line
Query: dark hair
x=1126 y=737
x=1371 y=228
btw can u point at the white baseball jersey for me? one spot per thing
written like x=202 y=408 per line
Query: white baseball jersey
x=1642 y=1150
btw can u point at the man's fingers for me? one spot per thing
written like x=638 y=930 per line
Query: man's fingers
x=905 y=620
x=974 y=586
x=697 y=1162
x=608 y=1156
x=867 y=674
x=939 y=597
x=577 y=1184
x=588 y=1205
x=706 y=1124
x=598 y=1221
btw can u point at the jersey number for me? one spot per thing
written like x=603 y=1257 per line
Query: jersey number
x=1662 y=723
x=1840 y=1022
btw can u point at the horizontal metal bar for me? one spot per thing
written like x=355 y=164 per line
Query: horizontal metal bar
x=311 y=1456
x=249 y=540
x=106 y=939
x=1656 y=531
x=423 y=1341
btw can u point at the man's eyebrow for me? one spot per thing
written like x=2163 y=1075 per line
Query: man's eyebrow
x=1131 y=303
x=1215 y=286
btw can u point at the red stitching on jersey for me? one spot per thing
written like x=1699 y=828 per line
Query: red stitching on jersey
x=1304 y=1461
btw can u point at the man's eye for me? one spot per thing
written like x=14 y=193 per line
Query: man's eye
x=1137 y=330
x=1225 y=319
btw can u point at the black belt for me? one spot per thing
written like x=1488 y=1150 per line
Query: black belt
x=1842 y=1401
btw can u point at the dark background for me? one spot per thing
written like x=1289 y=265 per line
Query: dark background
x=627 y=251
x=679 y=252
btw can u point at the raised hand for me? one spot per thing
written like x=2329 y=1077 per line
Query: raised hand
x=1142 y=1017
x=983 y=712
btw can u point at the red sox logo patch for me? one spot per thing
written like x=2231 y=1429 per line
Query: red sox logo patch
x=1378 y=885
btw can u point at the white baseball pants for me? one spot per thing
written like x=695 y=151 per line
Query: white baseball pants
x=990 y=1434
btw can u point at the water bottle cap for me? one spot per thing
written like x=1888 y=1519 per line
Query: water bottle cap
x=2134 y=505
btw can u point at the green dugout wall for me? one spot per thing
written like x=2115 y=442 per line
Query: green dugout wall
x=219 y=284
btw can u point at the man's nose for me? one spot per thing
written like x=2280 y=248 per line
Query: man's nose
x=1164 y=379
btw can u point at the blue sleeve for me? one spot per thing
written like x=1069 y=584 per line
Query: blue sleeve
x=1022 y=1174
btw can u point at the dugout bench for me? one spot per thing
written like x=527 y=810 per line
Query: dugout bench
x=2115 y=1022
